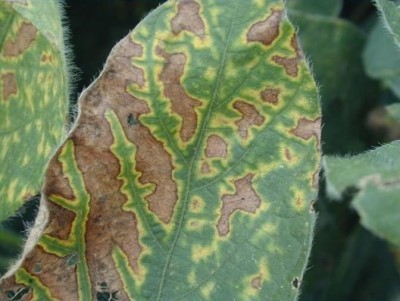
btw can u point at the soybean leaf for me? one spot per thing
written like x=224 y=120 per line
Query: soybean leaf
x=391 y=17
x=33 y=97
x=192 y=168
x=394 y=111
x=382 y=58
x=376 y=174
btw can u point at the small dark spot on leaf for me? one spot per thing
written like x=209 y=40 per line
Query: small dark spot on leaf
x=103 y=285
x=37 y=269
x=296 y=283
x=132 y=120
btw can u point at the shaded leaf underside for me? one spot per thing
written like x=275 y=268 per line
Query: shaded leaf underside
x=192 y=168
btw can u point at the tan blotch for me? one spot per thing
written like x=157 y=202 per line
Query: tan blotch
x=46 y=58
x=295 y=44
x=9 y=85
x=270 y=95
x=25 y=36
x=216 y=147
x=250 y=116
x=290 y=64
x=188 y=18
x=205 y=168
x=266 y=31
x=60 y=224
x=245 y=199
x=288 y=154
x=256 y=282
x=181 y=102
x=306 y=129
x=315 y=179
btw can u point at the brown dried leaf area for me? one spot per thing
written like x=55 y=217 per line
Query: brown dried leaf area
x=9 y=85
x=307 y=128
x=256 y=282
x=290 y=64
x=26 y=34
x=216 y=147
x=181 y=103
x=250 y=117
x=188 y=18
x=108 y=225
x=245 y=199
x=52 y=271
x=270 y=95
x=266 y=31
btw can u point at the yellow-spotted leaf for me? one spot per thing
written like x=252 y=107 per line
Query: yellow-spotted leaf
x=192 y=169
x=33 y=96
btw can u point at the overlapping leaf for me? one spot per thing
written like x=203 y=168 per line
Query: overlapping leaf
x=382 y=59
x=33 y=98
x=376 y=174
x=391 y=17
x=192 y=169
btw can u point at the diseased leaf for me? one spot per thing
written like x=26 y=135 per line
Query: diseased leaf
x=321 y=7
x=192 y=169
x=33 y=101
x=382 y=58
x=391 y=17
x=334 y=47
x=376 y=174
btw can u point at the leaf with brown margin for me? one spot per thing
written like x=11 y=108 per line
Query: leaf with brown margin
x=166 y=199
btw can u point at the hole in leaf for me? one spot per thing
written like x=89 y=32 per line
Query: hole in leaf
x=106 y=296
x=296 y=283
x=132 y=120
x=73 y=260
x=17 y=296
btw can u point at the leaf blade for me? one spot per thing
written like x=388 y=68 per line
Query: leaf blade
x=167 y=199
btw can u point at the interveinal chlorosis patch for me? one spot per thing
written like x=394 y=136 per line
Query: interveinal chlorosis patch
x=192 y=167
x=33 y=102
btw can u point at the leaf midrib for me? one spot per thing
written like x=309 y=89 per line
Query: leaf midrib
x=195 y=155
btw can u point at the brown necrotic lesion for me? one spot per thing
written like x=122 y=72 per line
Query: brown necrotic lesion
x=244 y=199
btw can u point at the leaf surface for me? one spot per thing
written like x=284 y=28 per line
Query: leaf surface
x=33 y=100
x=381 y=58
x=376 y=174
x=192 y=168
x=391 y=17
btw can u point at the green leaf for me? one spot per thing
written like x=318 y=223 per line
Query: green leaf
x=334 y=47
x=394 y=111
x=321 y=7
x=193 y=166
x=391 y=17
x=382 y=58
x=376 y=174
x=33 y=98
